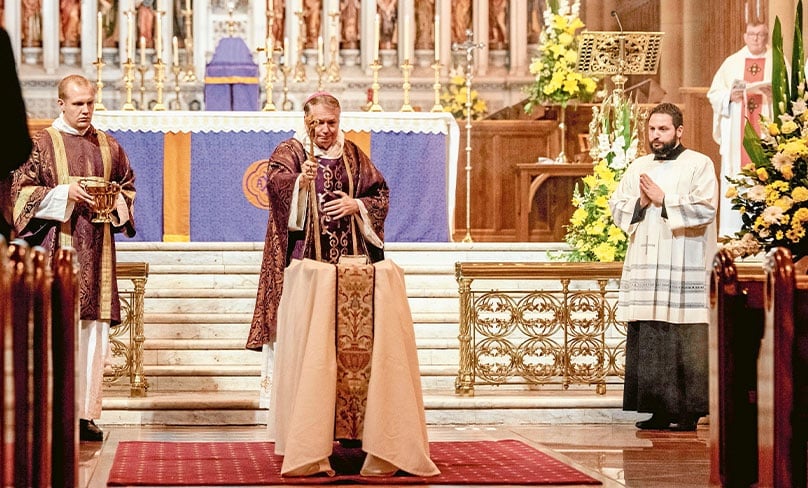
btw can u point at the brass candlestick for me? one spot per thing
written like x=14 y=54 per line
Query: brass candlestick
x=175 y=69
x=300 y=69
x=190 y=72
x=128 y=75
x=142 y=70
x=376 y=66
x=321 y=70
x=99 y=105
x=333 y=67
x=159 y=77
x=269 y=105
x=286 y=104
x=438 y=107
x=406 y=68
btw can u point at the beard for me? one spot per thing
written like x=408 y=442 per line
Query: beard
x=665 y=148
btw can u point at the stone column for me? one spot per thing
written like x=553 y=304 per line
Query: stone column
x=89 y=37
x=479 y=23
x=50 y=35
x=444 y=9
x=517 y=32
x=330 y=29
x=12 y=20
x=406 y=10
x=367 y=35
x=200 y=19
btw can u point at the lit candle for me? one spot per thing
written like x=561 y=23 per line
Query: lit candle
x=377 y=28
x=100 y=33
x=437 y=37
x=176 y=50
x=320 y=55
x=142 y=51
x=286 y=50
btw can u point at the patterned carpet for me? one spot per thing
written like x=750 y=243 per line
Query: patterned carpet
x=507 y=462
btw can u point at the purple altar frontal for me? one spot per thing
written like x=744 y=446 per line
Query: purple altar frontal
x=199 y=175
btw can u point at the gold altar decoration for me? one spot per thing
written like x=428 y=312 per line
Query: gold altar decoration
x=126 y=340
x=544 y=324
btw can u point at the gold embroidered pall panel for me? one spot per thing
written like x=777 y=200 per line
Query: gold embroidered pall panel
x=354 y=338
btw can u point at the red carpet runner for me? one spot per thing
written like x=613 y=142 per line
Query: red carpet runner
x=506 y=462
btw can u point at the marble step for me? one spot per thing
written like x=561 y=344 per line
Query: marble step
x=441 y=408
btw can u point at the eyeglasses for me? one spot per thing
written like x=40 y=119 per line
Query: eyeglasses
x=757 y=35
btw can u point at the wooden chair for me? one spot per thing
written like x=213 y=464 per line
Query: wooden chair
x=782 y=384
x=736 y=298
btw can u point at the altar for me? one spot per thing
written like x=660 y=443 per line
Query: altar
x=200 y=175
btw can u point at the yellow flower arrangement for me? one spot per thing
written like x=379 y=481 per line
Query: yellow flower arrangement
x=771 y=192
x=591 y=232
x=454 y=99
x=557 y=80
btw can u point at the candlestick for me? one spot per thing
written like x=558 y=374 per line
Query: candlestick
x=142 y=51
x=99 y=64
x=406 y=68
x=375 y=107
x=176 y=70
x=100 y=33
x=436 y=87
x=286 y=104
x=176 y=50
x=128 y=78
x=437 y=38
x=377 y=29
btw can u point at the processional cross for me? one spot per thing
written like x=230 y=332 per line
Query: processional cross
x=469 y=46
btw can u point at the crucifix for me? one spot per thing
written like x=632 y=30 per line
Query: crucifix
x=469 y=46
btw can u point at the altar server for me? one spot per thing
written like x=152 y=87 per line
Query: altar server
x=666 y=202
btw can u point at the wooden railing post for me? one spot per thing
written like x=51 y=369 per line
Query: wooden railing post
x=464 y=384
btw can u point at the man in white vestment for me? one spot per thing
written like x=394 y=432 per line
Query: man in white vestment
x=666 y=202
x=740 y=92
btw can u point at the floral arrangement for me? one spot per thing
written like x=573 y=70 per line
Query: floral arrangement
x=591 y=232
x=454 y=99
x=771 y=192
x=557 y=81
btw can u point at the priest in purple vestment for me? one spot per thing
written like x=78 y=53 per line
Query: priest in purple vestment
x=53 y=209
x=326 y=199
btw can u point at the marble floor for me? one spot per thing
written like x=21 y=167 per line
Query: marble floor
x=619 y=455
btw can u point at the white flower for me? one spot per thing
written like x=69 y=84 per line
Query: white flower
x=772 y=215
x=757 y=193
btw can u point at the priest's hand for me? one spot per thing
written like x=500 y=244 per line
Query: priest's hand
x=75 y=193
x=308 y=172
x=650 y=190
x=341 y=206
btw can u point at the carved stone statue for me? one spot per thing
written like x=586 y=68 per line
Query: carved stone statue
x=31 y=26
x=461 y=19
x=109 y=12
x=70 y=22
x=145 y=21
x=497 y=13
x=349 y=16
x=278 y=21
x=424 y=24
x=534 y=21
x=389 y=15
x=311 y=12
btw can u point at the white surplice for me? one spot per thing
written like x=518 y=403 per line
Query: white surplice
x=305 y=375
x=666 y=270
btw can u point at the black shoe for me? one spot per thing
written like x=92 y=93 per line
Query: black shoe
x=88 y=431
x=350 y=443
x=656 y=422
x=687 y=424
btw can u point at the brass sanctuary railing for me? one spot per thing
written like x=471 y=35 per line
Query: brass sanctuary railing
x=545 y=323
x=126 y=339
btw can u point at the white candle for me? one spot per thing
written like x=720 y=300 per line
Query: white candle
x=130 y=35
x=437 y=37
x=142 y=51
x=100 y=33
x=286 y=59
x=320 y=55
x=407 y=54
x=188 y=5
x=158 y=38
x=377 y=28
x=176 y=50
